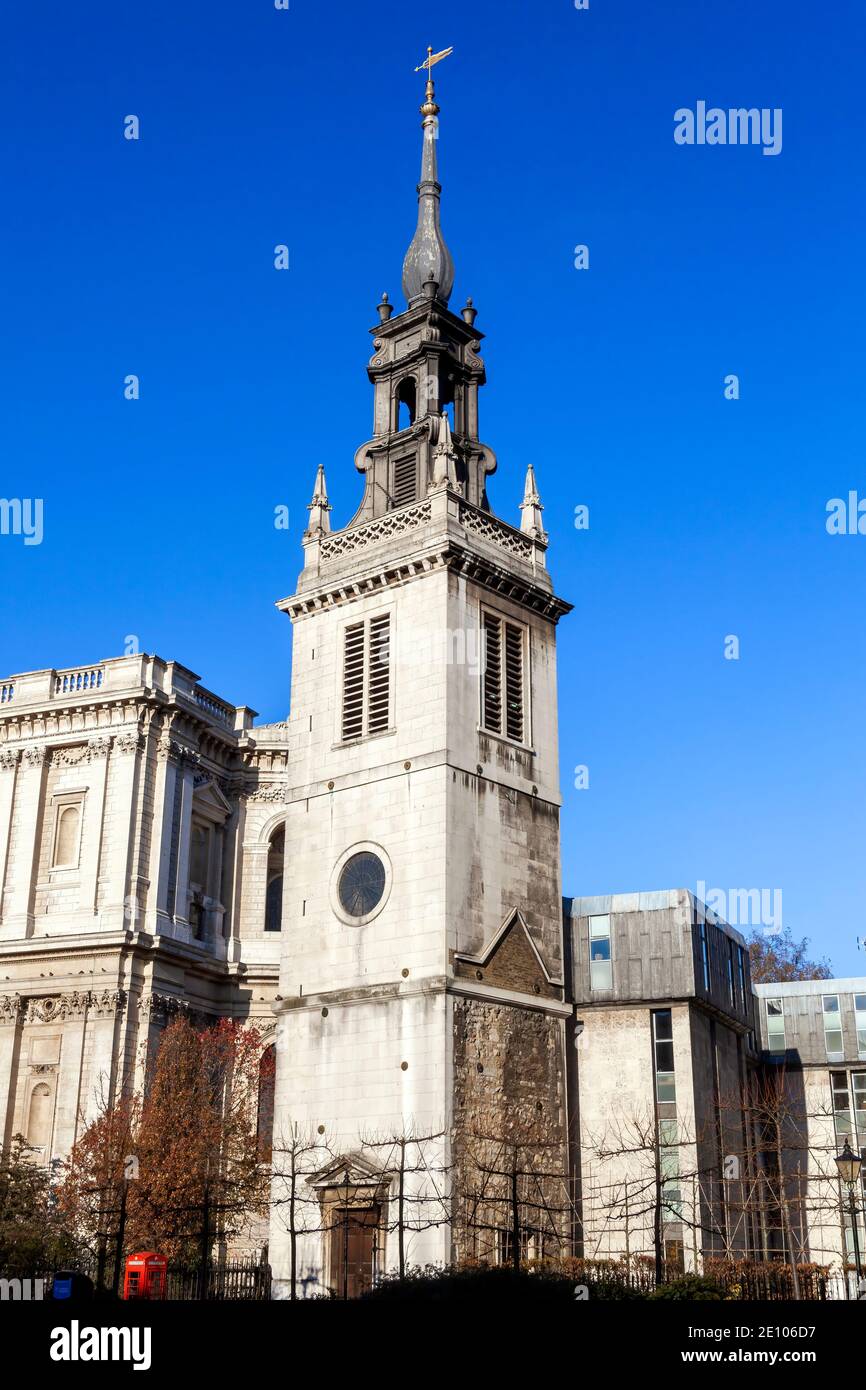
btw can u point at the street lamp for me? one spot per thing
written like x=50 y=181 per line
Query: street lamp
x=849 y=1165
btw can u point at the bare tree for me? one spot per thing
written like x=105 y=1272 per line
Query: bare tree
x=416 y=1166
x=515 y=1191
x=296 y=1158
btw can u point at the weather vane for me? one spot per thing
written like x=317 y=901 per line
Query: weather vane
x=433 y=58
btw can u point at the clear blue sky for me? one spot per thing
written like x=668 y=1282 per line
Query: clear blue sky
x=261 y=126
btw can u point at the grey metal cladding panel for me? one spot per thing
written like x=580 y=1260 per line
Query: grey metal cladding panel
x=635 y=978
x=658 y=977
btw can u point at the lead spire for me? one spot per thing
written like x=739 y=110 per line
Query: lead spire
x=428 y=270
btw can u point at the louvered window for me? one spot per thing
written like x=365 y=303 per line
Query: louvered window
x=503 y=697
x=366 y=677
x=404 y=481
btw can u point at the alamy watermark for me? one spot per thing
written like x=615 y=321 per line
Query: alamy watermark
x=738 y=125
x=22 y=1290
x=744 y=907
x=846 y=516
x=22 y=516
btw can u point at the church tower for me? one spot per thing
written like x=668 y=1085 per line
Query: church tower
x=421 y=1011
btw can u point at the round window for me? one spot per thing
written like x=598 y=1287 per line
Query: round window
x=362 y=883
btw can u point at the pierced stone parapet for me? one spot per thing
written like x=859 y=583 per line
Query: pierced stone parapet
x=370 y=532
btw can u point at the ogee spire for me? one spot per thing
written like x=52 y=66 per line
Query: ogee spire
x=428 y=270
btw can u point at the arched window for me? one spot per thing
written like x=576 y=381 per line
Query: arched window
x=406 y=403
x=265 y=1115
x=66 y=837
x=274 y=892
x=39 y=1116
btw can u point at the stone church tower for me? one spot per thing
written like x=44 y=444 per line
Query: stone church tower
x=421 y=1012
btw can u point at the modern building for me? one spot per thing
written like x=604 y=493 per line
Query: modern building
x=814 y=1032
x=664 y=1017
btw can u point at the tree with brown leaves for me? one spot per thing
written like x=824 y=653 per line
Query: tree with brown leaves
x=180 y=1165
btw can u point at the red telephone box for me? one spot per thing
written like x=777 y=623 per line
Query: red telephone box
x=145 y=1275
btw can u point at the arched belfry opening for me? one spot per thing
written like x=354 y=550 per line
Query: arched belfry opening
x=407 y=402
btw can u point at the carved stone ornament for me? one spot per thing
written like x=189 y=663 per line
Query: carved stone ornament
x=10 y=1008
x=8 y=759
x=34 y=756
x=103 y=1003
x=169 y=747
x=129 y=742
x=273 y=791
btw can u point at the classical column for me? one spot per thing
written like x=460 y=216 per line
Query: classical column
x=93 y=828
x=18 y=901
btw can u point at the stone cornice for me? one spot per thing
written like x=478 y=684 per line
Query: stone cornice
x=454 y=555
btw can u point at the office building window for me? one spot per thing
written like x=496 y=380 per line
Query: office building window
x=860 y=1023
x=841 y=1106
x=663 y=1046
x=833 y=1028
x=858 y=1088
x=776 y=1025
x=741 y=966
x=705 y=956
x=600 y=966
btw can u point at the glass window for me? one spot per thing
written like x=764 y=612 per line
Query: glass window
x=860 y=1023
x=776 y=1025
x=362 y=884
x=833 y=1028
x=663 y=1045
x=274 y=892
x=705 y=956
x=600 y=967
x=731 y=995
x=858 y=1087
x=841 y=1105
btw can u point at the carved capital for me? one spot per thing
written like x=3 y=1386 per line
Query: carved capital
x=98 y=747
x=128 y=743
x=169 y=747
x=11 y=1008
x=107 y=1002
x=34 y=755
x=9 y=758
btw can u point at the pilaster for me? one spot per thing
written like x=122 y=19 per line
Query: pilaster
x=29 y=796
x=94 y=828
